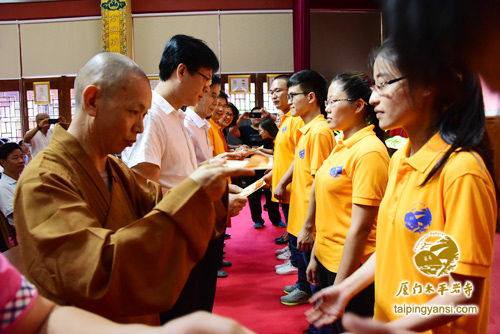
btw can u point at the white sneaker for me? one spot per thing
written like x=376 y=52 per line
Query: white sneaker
x=284 y=256
x=287 y=269
x=282 y=265
x=281 y=251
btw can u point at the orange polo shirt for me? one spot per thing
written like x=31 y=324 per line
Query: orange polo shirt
x=313 y=147
x=215 y=138
x=284 y=150
x=458 y=201
x=354 y=173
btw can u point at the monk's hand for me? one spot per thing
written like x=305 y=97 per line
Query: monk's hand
x=213 y=177
x=236 y=203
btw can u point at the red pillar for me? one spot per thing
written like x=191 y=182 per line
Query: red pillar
x=301 y=35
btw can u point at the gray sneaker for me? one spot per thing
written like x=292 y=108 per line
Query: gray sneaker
x=296 y=297
x=289 y=288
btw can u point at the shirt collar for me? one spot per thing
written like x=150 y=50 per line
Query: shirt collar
x=364 y=132
x=305 y=129
x=428 y=155
x=285 y=116
x=213 y=124
x=6 y=178
x=164 y=105
x=197 y=120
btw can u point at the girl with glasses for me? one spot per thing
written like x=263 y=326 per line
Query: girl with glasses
x=347 y=190
x=436 y=223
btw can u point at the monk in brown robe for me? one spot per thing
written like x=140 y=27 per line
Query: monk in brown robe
x=93 y=233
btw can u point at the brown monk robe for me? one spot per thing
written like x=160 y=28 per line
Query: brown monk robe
x=124 y=253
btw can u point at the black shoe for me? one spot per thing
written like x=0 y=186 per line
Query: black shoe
x=221 y=274
x=226 y=264
x=227 y=236
x=281 y=240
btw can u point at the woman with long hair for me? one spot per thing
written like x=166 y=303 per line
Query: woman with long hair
x=347 y=190
x=436 y=223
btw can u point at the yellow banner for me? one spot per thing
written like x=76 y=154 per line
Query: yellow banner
x=114 y=38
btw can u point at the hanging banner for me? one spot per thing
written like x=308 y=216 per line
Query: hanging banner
x=114 y=37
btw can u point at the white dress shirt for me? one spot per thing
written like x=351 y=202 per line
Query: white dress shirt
x=40 y=141
x=197 y=128
x=165 y=143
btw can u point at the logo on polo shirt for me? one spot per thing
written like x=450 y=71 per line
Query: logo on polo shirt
x=419 y=219
x=302 y=154
x=336 y=171
x=436 y=254
x=284 y=129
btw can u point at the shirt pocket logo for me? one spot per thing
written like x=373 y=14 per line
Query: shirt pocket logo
x=336 y=171
x=284 y=129
x=419 y=218
x=302 y=154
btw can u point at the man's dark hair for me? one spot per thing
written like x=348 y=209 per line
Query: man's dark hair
x=223 y=95
x=285 y=77
x=311 y=81
x=7 y=148
x=215 y=80
x=192 y=52
x=256 y=108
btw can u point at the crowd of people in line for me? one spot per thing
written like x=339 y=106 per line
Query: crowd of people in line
x=121 y=215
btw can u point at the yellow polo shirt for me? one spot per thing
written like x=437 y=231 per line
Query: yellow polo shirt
x=215 y=138
x=459 y=201
x=354 y=173
x=284 y=150
x=313 y=147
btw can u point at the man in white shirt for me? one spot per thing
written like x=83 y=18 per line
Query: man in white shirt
x=165 y=153
x=196 y=122
x=12 y=161
x=39 y=137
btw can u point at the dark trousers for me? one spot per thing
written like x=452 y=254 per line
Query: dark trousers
x=285 y=208
x=199 y=291
x=300 y=259
x=254 y=200
x=362 y=304
x=273 y=210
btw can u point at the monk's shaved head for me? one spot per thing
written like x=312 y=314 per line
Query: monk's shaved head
x=109 y=71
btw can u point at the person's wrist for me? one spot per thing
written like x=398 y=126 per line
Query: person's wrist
x=39 y=128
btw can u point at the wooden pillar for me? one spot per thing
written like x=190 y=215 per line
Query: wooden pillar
x=301 y=35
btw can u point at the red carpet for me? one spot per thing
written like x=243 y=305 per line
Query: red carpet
x=250 y=294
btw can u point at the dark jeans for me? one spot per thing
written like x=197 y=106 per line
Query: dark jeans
x=362 y=304
x=300 y=259
x=285 y=208
x=199 y=291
